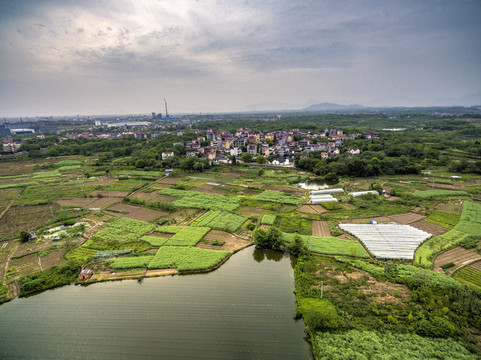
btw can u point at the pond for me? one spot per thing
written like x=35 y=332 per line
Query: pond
x=243 y=310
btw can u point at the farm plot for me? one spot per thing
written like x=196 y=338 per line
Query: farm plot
x=25 y=218
x=53 y=258
x=331 y=245
x=133 y=212
x=230 y=242
x=186 y=258
x=197 y=200
x=125 y=230
x=458 y=256
x=379 y=219
x=155 y=241
x=469 y=225
x=220 y=220
x=320 y=229
x=187 y=236
x=389 y=241
x=109 y=193
x=433 y=229
x=77 y=202
x=293 y=190
x=20 y=267
x=134 y=262
x=278 y=197
x=268 y=219
x=469 y=275
x=169 y=180
x=438 y=193
x=313 y=209
x=406 y=218
x=210 y=189
x=153 y=197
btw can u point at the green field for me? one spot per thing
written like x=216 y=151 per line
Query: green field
x=278 y=197
x=134 y=262
x=154 y=240
x=426 y=194
x=469 y=275
x=188 y=236
x=220 y=220
x=197 y=200
x=469 y=225
x=186 y=258
x=268 y=219
x=125 y=230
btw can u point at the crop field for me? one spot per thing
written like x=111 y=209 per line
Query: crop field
x=155 y=241
x=153 y=196
x=426 y=194
x=25 y=218
x=210 y=189
x=469 y=275
x=313 y=209
x=202 y=201
x=169 y=229
x=134 y=212
x=186 y=258
x=141 y=173
x=187 y=236
x=320 y=229
x=468 y=225
x=53 y=258
x=35 y=195
x=19 y=267
x=125 y=230
x=444 y=219
x=406 y=218
x=431 y=228
x=133 y=262
x=220 y=220
x=291 y=224
x=230 y=242
x=458 y=256
x=450 y=207
x=268 y=219
x=277 y=197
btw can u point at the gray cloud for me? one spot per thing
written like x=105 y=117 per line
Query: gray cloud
x=234 y=52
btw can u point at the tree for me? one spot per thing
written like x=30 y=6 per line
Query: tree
x=297 y=246
x=261 y=159
x=24 y=236
x=270 y=239
x=246 y=157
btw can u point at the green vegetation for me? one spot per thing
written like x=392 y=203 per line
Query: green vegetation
x=291 y=224
x=268 y=219
x=107 y=254
x=445 y=219
x=197 y=200
x=188 y=236
x=186 y=258
x=278 y=197
x=469 y=275
x=355 y=344
x=468 y=226
x=57 y=276
x=426 y=194
x=125 y=230
x=81 y=255
x=170 y=229
x=131 y=262
x=220 y=220
x=332 y=206
x=141 y=173
x=154 y=240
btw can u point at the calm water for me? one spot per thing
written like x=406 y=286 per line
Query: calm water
x=243 y=310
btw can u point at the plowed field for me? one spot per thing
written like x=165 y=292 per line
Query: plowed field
x=232 y=243
x=312 y=209
x=406 y=218
x=429 y=227
x=320 y=229
x=135 y=212
x=459 y=256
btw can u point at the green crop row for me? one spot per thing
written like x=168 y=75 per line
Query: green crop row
x=278 y=197
x=125 y=230
x=188 y=236
x=268 y=219
x=469 y=276
x=197 y=200
x=155 y=241
x=220 y=220
x=186 y=258
x=169 y=229
x=330 y=245
x=425 y=194
x=141 y=173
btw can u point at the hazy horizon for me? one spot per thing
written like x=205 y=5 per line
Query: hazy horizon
x=108 y=57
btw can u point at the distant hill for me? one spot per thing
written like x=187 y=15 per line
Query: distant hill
x=334 y=107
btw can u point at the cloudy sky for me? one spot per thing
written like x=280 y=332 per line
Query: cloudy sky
x=62 y=57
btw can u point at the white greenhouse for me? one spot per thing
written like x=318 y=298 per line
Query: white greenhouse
x=327 y=191
x=360 y=193
x=388 y=241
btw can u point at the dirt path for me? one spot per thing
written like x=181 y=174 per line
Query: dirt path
x=320 y=229
x=6 y=209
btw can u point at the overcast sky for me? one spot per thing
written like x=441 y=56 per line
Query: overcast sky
x=61 y=57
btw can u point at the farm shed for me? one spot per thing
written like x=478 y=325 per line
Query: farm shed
x=388 y=241
x=360 y=193
x=85 y=274
x=327 y=191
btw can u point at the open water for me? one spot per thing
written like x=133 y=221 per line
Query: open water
x=243 y=310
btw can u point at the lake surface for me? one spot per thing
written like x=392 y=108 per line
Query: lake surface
x=243 y=310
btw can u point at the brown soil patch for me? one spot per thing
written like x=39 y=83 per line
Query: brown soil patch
x=476 y=265
x=251 y=211
x=386 y=292
x=209 y=189
x=24 y=266
x=103 y=203
x=183 y=216
x=346 y=236
x=110 y=193
x=312 y=209
x=264 y=227
x=458 y=255
x=296 y=191
x=154 y=197
x=450 y=208
x=440 y=186
x=135 y=212
x=347 y=206
x=232 y=243
x=406 y=218
x=53 y=258
x=101 y=181
x=320 y=229
x=433 y=229
x=80 y=202
x=107 y=275
x=392 y=198
x=161 y=234
x=169 y=180
x=380 y=219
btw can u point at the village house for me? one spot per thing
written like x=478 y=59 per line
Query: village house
x=167 y=154
x=353 y=151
